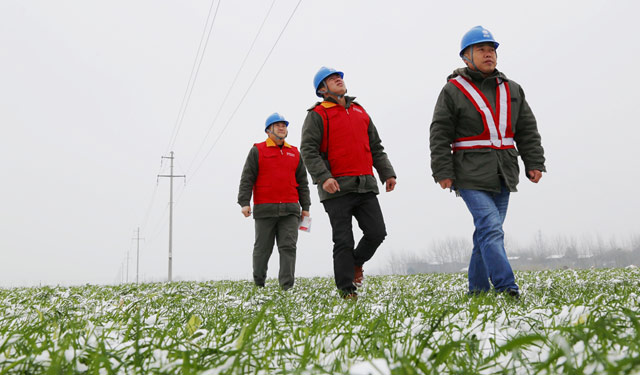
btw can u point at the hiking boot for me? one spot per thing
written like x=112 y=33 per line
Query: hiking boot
x=358 y=276
x=353 y=296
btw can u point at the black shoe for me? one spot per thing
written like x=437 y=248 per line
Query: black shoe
x=513 y=293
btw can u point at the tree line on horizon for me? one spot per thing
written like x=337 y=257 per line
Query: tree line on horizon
x=451 y=254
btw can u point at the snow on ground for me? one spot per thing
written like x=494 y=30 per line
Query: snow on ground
x=566 y=321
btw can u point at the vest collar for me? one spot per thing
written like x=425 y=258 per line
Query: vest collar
x=331 y=102
x=271 y=143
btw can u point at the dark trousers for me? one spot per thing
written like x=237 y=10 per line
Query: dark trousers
x=284 y=230
x=366 y=209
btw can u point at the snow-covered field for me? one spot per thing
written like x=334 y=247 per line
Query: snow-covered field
x=579 y=322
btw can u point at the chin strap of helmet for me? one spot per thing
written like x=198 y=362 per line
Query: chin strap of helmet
x=327 y=91
x=470 y=60
x=275 y=135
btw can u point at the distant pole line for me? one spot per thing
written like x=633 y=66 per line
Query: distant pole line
x=171 y=176
x=137 y=238
x=181 y=115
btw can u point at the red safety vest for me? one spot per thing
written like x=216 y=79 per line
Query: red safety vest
x=276 y=182
x=345 y=140
x=497 y=132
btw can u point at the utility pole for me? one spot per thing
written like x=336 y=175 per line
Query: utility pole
x=138 y=256
x=171 y=176
x=127 y=277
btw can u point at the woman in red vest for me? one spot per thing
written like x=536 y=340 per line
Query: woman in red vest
x=340 y=146
x=276 y=177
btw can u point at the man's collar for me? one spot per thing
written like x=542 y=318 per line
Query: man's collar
x=271 y=143
x=330 y=101
x=475 y=75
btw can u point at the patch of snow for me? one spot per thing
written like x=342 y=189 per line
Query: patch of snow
x=374 y=367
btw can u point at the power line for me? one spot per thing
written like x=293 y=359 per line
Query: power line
x=193 y=76
x=160 y=223
x=153 y=197
x=224 y=101
x=247 y=91
x=159 y=227
x=195 y=69
x=157 y=231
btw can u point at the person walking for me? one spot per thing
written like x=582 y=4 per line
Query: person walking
x=481 y=123
x=340 y=146
x=275 y=174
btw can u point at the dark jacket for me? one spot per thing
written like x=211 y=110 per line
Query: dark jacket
x=482 y=169
x=312 y=134
x=248 y=179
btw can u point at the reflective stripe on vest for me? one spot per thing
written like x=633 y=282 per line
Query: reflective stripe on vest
x=497 y=137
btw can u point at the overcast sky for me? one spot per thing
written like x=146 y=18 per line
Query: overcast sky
x=91 y=92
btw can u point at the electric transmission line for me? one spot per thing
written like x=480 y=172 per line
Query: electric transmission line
x=195 y=69
x=247 y=91
x=233 y=83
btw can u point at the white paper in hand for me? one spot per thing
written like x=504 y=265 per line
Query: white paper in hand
x=305 y=224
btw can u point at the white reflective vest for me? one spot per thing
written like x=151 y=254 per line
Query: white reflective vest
x=497 y=132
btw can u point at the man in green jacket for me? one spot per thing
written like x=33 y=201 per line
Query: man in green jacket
x=479 y=119
x=340 y=146
x=276 y=176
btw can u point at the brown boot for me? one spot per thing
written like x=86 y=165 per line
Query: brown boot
x=358 y=276
x=353 y=296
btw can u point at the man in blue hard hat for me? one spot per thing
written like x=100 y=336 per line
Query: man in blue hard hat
x=276 y=176
x=340 y=146
x=481 y=123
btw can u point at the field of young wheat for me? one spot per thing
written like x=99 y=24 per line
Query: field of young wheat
x=577 y=322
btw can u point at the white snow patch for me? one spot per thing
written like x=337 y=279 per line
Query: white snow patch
x=374 y=367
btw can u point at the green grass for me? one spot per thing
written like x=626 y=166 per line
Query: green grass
x=573 y=322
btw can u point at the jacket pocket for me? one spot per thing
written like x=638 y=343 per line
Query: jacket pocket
x=476 y=169
x=510 y=167
x=476 y=162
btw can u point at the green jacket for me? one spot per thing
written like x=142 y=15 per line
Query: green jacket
x=312 y=133
x=264 y=210
x=481 y=169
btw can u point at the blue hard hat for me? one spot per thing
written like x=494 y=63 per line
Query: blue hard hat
x=323 y=73
x=275 y=117
x=477 y=35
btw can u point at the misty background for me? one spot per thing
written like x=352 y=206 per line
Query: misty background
x=93 y=94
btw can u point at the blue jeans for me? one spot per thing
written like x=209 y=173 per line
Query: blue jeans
x=489 y=258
